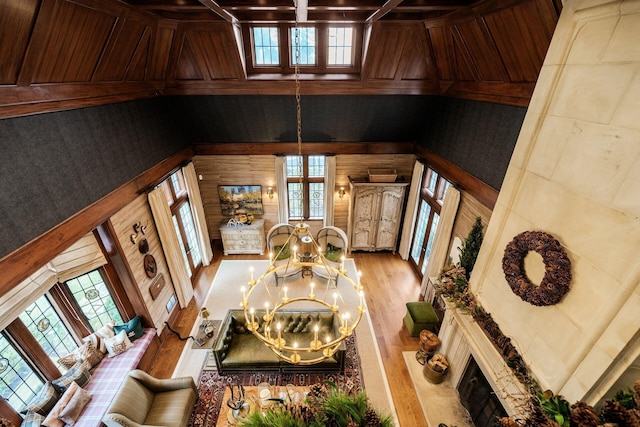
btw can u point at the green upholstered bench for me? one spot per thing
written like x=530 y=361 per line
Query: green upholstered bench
x=420 y=315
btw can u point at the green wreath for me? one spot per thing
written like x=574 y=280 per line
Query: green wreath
x=557 y=276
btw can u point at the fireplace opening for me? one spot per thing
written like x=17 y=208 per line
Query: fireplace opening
x=478 y=397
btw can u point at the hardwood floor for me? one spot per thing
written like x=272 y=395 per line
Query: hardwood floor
x=389 y=283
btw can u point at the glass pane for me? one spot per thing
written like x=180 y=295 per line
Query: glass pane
x=420 y=231
x=294 y=166
x=48 y=329
x=190 y=231
x=316 y=199
x=295 y=200
x=316 y=166
x=433 y=180
x=182 y=248
x=94 y=299
x=305 y=39
x=19 y=381
x=432 y=235
x=340 y=43
x=443 y=191
x=265 y=45
x=177 y=182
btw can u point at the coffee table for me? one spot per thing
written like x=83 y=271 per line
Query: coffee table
x=226 y=417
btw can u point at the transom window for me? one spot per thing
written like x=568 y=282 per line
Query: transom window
x=266 y=46
x=305 y=186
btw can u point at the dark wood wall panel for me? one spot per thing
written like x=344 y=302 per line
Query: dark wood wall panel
x=382 y=61
x=522 y=36
x=443 y=52
x=16 y=22
x=162 y=42
x=475 y=45
x=74 y=45
x=121 y=51
x=206 y=54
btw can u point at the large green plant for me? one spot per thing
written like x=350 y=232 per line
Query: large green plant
x=324 y=407
x=471 y=247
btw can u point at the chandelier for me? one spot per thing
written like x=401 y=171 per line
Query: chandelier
x=266 y=323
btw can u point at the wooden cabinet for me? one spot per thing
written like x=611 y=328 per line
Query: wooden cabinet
x=243 y=239
x=375 y=214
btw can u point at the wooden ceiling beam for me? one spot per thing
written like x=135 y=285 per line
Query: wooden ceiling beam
x=386 y=8
x=220 y=11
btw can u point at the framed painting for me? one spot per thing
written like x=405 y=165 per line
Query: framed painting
x=245 y=199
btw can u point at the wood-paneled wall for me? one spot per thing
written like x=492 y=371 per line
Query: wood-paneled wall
x=357 y=165
x=260 y=170
x=122 y=222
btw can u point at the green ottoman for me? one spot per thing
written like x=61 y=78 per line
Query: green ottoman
x=420 y=315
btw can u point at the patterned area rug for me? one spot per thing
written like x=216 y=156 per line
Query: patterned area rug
x=211 y=386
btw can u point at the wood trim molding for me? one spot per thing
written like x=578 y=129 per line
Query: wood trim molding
x=256 y=148
x=483 y=192
x=22 y=262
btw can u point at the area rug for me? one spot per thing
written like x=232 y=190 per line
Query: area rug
x=211 y=386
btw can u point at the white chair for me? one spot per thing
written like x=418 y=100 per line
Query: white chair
x=334 y=244
x=276 y=240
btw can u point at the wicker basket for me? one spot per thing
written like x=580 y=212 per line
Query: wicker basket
x=382 y=175
x=434 y=371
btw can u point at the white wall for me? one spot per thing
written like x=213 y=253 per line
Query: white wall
x=575 y=173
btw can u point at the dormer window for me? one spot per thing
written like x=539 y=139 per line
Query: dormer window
x=340 y=50
x=306 y=38
x=266 y=46
x=324 y=48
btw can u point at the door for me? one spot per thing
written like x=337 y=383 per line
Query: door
x=431 y=199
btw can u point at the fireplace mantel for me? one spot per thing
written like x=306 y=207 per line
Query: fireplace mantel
x=462 y=338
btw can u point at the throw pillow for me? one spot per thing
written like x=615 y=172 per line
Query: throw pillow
x=118 y=344
x=52 y=419
x=32 y=419
x=88 y=353
x=74 y=408
x=68 y=361
x=44 y=401
x=133 y=328
x=97 y=338
x=333 y=253
x=281 y=252
x=78 y=373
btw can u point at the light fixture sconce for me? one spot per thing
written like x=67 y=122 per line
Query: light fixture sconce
x=270 y=192
x=341 y=193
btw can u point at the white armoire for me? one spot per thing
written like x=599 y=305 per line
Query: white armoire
x=375 y=214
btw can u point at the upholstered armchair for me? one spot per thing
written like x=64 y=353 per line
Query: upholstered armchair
x=281 y=249
x=147 y=401
x=334 y=244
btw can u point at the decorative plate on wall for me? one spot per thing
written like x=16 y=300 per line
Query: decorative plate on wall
x=150 y=266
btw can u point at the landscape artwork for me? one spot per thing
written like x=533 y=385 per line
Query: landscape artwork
x=245 y=199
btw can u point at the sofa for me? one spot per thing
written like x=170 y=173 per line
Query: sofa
x=143 y=400
x=236 y=349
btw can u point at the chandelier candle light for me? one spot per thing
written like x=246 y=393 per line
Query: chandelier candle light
x=327 y=297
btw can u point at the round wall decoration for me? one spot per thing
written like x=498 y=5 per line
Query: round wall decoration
x=557 y=274
x=150 y=266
